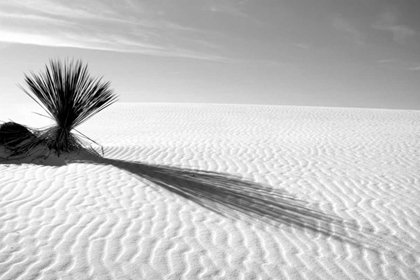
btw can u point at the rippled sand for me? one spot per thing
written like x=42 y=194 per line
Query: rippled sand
x=192 y=191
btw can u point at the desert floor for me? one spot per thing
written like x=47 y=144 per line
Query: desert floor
x=196 y=191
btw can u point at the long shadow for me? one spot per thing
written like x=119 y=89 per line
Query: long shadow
x=227 y=195
x=234 y=197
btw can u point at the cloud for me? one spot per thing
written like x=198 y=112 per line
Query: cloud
x=388 y=60
x=398 y=64
x=100 y=25
x=348 y=28
x=388 y=21
x=233 y=8
x=302 y=46
x=415 y=68
x=227 y=8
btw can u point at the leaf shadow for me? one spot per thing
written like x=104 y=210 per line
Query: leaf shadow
x=227 y=195
x=237 y=198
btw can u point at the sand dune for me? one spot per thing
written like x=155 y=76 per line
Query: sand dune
x=193 y=191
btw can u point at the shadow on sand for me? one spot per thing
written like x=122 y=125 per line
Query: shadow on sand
x=225 y=194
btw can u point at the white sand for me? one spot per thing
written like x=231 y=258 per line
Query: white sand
x=356 y=170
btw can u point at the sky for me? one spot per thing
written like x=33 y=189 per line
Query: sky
x=331 y=53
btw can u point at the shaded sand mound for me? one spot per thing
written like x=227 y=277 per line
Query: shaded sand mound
x=12 y=134
x=220 y=192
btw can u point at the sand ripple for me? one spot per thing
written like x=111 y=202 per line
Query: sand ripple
x=344 y=187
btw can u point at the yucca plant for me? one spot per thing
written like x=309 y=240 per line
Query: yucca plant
x=70 y=96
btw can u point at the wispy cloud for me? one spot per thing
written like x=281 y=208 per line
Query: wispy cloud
x=302 y=46
x=415 y=68
x=348 y=28
x=130 y=27
x=388 y=21
x=398 y=64
x=234 y=8
x=387 y=61
x=229 y=7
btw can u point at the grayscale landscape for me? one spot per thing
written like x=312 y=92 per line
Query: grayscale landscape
x=209 y=139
